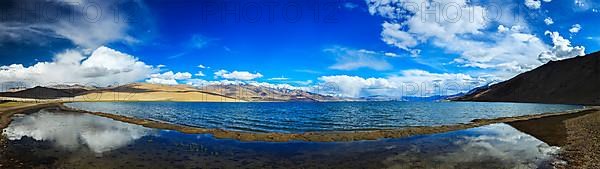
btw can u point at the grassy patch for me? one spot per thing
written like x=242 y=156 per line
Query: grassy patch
x=12 y=104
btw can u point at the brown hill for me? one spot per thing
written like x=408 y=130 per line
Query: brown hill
x=154 y=92
x=570 y=81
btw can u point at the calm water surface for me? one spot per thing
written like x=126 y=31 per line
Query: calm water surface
x=294 y=117
x=71 y=140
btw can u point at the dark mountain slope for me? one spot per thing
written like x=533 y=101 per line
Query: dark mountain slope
x=570 y=81
x=44 y=93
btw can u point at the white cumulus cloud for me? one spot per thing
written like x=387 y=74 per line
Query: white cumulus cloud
x=237 y=75
x=168 y=78
x=562 y=49
x=533 y=4
x=575 y=28
x=103 y=67
x=548 y=21
x=502 y=29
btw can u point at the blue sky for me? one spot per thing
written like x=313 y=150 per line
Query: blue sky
x=361 y=47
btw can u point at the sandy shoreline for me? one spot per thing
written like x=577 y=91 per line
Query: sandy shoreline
x=583 y=137
x=577 y=132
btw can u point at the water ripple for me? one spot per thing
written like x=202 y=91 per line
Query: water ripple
x=297 y=117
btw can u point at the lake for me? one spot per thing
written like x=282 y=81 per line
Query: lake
x=297 y=117
x=72 y=140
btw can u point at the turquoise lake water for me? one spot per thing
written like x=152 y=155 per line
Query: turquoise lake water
x=297 y=117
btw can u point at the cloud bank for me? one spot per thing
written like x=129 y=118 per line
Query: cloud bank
x=412 y=82
x=103 y=67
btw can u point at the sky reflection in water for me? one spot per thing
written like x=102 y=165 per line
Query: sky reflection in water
x=125 y=145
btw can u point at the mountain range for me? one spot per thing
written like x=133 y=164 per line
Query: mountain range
x=157 y=92
x=569 y=81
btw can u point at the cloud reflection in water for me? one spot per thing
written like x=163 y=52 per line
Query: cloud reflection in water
x=496 y=146
x=72 y=131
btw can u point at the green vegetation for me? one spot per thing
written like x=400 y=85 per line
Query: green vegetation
x=13 y=104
